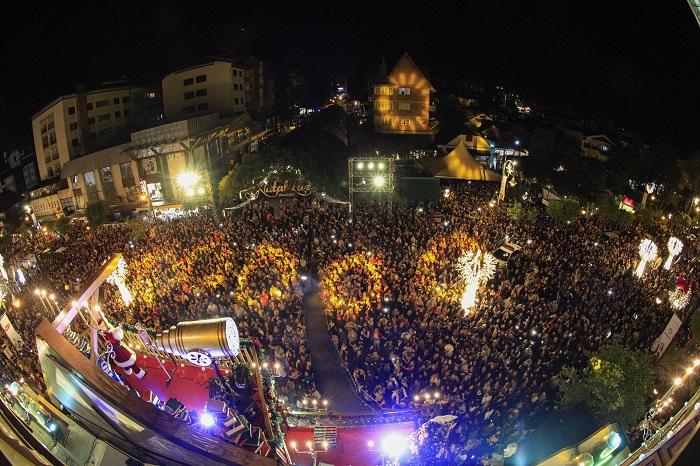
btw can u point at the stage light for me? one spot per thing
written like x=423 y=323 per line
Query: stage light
x=207 y=420
x=394 y=445
x=52 y=427
x=379 y=181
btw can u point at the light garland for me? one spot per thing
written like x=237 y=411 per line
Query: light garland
x=647 y=251
x=679 y=299
x=2 y=268
x=117 y=277
x=675 y=246
x=474 y=269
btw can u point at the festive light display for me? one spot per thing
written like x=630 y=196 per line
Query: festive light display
x=475 y=268
x=647 y=251
x=678 y=298
x=117 y=277
x=2 y=268
x=675 y=246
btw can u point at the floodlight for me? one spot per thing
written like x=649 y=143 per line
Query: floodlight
x=394 y=445
x=379 y=181
x=207 y=420
x=371 y=165
x=187 y=179
x=360 y=166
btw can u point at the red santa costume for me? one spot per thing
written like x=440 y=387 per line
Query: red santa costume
x=121 y=354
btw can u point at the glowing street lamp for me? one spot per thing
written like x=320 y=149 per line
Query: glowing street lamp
x=187 y=179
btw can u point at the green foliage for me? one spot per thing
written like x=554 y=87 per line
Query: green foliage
x=694 y=326
x=682 y=220
x=138 y=227
x=516 y=212
x=565 y=210
x=531 y=215
x=61 y=225
x=96 y=213
x=648 y=216
x=614 y=386
x=609 y=207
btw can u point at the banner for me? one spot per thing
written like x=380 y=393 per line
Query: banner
x=664 y=340
x=10 y=331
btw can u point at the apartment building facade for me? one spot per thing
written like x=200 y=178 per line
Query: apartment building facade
x=225 y=86
x=401 y=99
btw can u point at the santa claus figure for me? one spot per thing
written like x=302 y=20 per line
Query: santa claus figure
x=121 y=354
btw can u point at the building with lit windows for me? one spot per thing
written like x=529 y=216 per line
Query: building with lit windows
x=401 y=99
x=219 y=85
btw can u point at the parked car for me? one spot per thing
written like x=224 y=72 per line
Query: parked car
x=505 y=252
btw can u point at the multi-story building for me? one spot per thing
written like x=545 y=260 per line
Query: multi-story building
x=401 y=99
x=18 y=170
x=77 y=124
x=218 y=85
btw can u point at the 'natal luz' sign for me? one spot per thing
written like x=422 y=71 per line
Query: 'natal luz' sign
x=285 y=189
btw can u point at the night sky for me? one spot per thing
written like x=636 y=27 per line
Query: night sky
x=636 y=62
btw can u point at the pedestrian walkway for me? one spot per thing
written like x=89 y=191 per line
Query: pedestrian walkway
x=331 y=379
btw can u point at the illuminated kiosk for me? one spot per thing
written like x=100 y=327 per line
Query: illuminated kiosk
x=117 y=414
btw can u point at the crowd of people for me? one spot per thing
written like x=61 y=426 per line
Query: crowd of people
x=391 y=293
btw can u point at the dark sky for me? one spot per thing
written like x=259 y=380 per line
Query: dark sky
x=637 y=62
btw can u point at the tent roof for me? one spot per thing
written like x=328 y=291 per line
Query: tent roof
x=458 y=164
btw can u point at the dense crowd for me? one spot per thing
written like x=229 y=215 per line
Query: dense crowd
x=392 y=297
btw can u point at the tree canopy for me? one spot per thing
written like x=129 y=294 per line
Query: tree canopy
x=564 y=210
x=276 y=163
x=614 y=385
x=96 y=213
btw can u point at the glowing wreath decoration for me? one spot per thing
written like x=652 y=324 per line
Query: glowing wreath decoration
x=474 y=269
x=678 y=298
x=675 y=246
x=647 y=251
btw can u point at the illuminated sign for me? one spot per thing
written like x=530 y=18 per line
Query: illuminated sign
x=286 y=189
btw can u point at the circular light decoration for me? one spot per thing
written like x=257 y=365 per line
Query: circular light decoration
x=675 y=246
x=647 y=251
x=679 y=299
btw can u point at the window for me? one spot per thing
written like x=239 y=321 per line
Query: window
x=116 y=101
x=605 y=148
x=201 y=92
x=106 y=175
x=201 y=78
x=384 y=90
x=386 y=121
x=104 y=117
x=235 y=86
x=235 y=100
x=404 y=121
x=102 y=103
x=424 y=105
x=89 y=178
x=381 y=105
x=71 y=110
x=73 y=126
x=75 y=142
x=126 y=171
x=404 y=91
x=91 y=121
x=424 y=91
x=189 y=95
x=75 y=179
x=202 y=107
x=117 y=114
x=404 y=106
x=29 y=175
x=45 y=142
x=188 y=82
x=190 y=109
x=89 y=105
x=126 y=99
x=127 y=111
x=106 y=131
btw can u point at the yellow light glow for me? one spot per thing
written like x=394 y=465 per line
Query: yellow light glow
x=187 y=179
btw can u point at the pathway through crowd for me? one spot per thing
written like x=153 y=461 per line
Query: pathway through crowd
x=330 y=377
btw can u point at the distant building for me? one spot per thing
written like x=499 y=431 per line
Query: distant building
x=401 y=99
x=77 y=124
x=597 y=146
x=18 y=170
x=225 y=86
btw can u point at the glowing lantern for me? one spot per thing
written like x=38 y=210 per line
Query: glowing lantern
x=675 y=246
x=647 y=251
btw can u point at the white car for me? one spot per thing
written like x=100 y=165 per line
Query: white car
x=505 y=252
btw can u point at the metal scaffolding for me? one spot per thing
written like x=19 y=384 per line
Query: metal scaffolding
x=370 y=175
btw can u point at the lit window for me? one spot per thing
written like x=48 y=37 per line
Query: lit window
x=404 y=91
x=404 y=106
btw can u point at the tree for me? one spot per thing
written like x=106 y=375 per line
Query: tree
x=96 y=213
x=138 y=227
x=61 y=225
x=694 y=326
x=516 y=212
x=564 y=210
x=614 y=385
